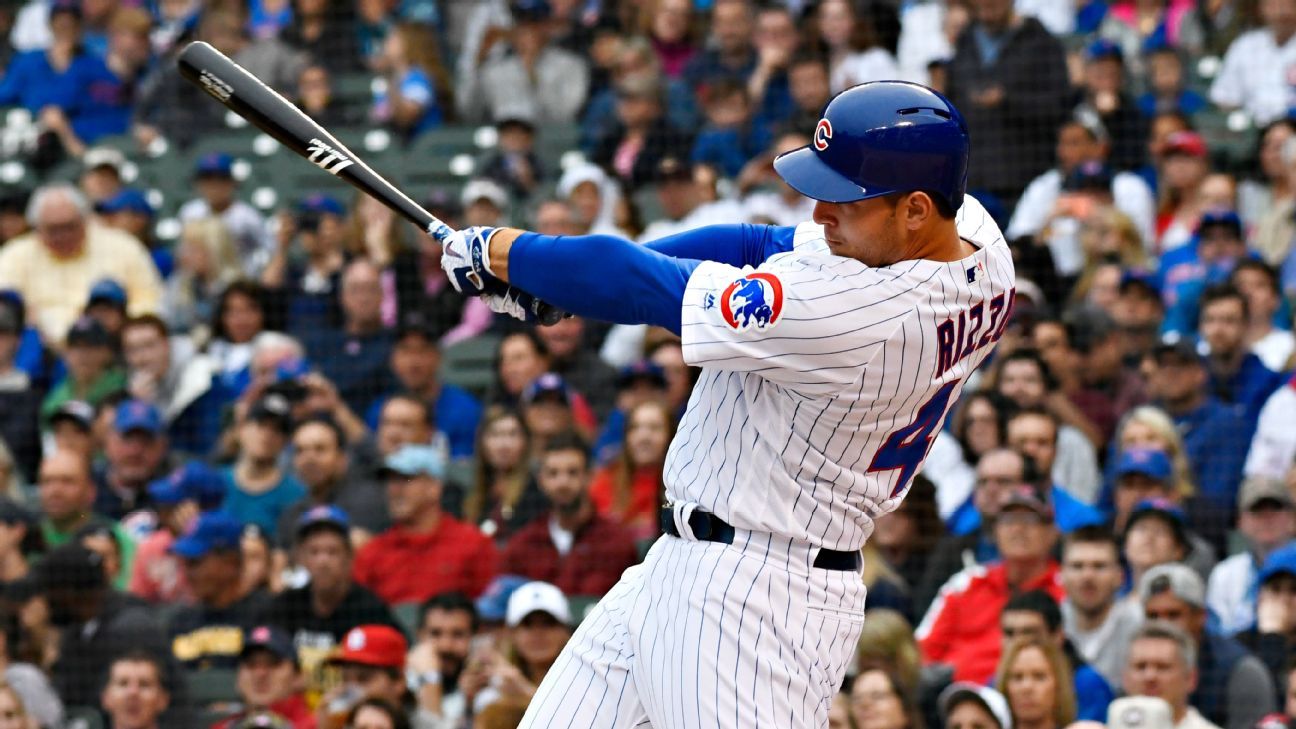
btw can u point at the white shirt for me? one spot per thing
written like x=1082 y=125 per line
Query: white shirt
x=1257 y=75
x=1273 y=447
x=1058 y=16
x=720 y=212
x=562 y=539
x=1228 y=593
x=875 y=64
x=1194 y=720
x=922 y=40
x=1075 y=467
x=1275 y=348
x=31 y=27
x=949 y=473
x=1131 y=194
x=824 y=380
x=245 y=224
x=1105 y=647
x=774 y=207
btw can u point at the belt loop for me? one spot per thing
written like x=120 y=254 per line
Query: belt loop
x=682 y=511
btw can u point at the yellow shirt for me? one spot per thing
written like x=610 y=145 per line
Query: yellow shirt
x=56 y=289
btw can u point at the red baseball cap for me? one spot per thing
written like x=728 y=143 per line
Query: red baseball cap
x=1184 y=142
x=372 y=645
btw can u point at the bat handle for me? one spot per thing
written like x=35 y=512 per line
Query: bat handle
x=545 y=313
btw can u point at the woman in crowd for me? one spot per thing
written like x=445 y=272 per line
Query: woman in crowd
x=531 y=644
x=377 y=714
x=855 y=54
x=503 y=496
x=878 y=700
x=1148 y=427
x=668 y=25
x=630 y=489
x=521 y=358
x=240 y=315
x=1036 y=680
x=207 y=263
x=417 y=87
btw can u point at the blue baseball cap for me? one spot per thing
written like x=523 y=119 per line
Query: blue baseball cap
x=271 y=639
x=1088 y=176
x=492 y=606
x=415 y=460
x=321 y=517
x=129 y=200
x=133 y=415
x=107 y=290
x=1148 y=462
x=547 y=384
x=214 y=531
x=642 y=371
x=1224 y=218
x=1167 y=511
x=215 y=164
x=291 y=369
x=530 y=10
x=1281 y=561
x=319 y=203
x=1102 y=49
x=193 y=481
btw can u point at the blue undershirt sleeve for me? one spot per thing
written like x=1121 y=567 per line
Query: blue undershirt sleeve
x=737 y=245
x=602 y=277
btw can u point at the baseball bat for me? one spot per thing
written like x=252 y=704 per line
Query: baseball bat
x=245 y=95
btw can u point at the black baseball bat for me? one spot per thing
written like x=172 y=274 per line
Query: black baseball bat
x=245 y=95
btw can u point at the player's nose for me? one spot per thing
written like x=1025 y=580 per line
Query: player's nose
x=825 y=213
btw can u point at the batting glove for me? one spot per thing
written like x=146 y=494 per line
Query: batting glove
x=465 y=258
x=514 y=302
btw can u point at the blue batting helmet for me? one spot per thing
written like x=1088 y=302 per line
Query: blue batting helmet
x=878 y=138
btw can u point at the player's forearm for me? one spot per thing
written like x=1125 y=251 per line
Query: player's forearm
x=596 y=276
x=737 y=245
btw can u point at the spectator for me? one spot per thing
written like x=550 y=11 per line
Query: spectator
x=1108 y=387
x=535 y=72
x=1035 y=679
x=485 y=203
x=878 y=699
x=66 y=494
x=572 y=546
x=316 y=97
x=1138 y=313
x=214 y=565
x=976 y=427
x=1034 y=432
x=1143 y=480
x=1273 y=448
x=26 y=689
x=101 y=175
x=135 y=695
x=19 y=397
x=354 y=357
x=594 y=197
x=447 y=624
x=325 y=34
x=1081 y=138
x=1103 y=91
x=403 y=420
x=629 y=490
x=1163 y=664
x=1095 y=621
x=729 y=54
x=1273 y=623
x=417 y=90
x=269 y=678
x=966 y=705
x=1266 y=521
x=579 y=364
x=319 y=614
x=1182 y=169
x=731 y=136
x=781 y=205
x=1261 y=198
x=637 y=383
x=376 y=714
x=260 y=489
x=1167 y=86
x=1251 y=76
x=905 y=540
x=159 y=575
x=1008 y=76
x=669 y=27
x=775 y=39
x=680 y=189
x=961 y=628
x=521 y=358
x=550 y=407
x=20 y=539
x=239 y=317
x=372 y=663
x=129 y=210
x=426 y=551
x=855 y=53
x=207 y=262
x=136 y=451
x=76 y=589
x=71 y=428
x=538 y=621
x=1149 y=428
x=106 y=304
x=503 y=497
x=1258 y=283
x=1237 y=376
x=309 y=290
x=217 y=189
x=642 y=137
x=515 y=164
x=66 y=245
x=322 y=465
x=185 y=392
x=1156 y=534
x=1034 y=618
x=1234 y=688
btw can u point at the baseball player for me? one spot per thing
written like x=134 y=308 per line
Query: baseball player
x=830 y=353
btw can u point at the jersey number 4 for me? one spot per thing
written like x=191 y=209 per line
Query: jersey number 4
x=906 y=448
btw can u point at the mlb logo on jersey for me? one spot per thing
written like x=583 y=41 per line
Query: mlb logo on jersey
x=753 y=301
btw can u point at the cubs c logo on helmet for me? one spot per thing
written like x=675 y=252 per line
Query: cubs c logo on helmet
x=754 y=301
x=823 y=132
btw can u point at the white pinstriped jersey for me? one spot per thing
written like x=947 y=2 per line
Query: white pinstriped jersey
x=824 y=380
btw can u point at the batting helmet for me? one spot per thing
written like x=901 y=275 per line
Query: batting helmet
x=878 y=138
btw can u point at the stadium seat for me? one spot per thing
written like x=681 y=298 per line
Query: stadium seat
x=581 y=606
x=470 y=364
x=211 y=687
x=407 y=614
x=82 y=717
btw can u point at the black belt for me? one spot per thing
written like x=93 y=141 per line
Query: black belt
x=711 y=528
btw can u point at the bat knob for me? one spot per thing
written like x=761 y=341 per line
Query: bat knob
x=547 y=314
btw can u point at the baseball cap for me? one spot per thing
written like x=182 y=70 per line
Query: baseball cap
x=530 y=10
x=549 y=383
x=194 y=480
x=1223 y=218
x=108 y=291
x=1030 y=497
x=537 y=597
x=1182 y=350
x=1273 y=721
x=641 y=371
x=414 y=460
x=263 y=719
x=71 y=566
x=492 y=606
x=484 y=189
x=271 y=639
x=1102 y=48
x=137 y=415
x=416 y=323
x=1179 y=579
x=79 y=412
x=324 y=516
x=372 y=645
x=273 y=408
x=990 y=699
x=128 y=200
x=87 y=331
x=1281 y=561
x=97 y=157
x=1258 y=489
x=1185 y=142
x=215 y=164
x=213 y=531
x=673 y=169
x=320 y=204
x=1163 y=509
x=1139 y=712
x=1150 y=462
x=1088 y=176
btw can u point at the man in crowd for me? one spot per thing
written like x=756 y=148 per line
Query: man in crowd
x=1096 y=622
x=578 y=363
x=572 y=547
x=1237 y=376
x=1162 y=663
x=159 y=575
x=66 y=494
x=69 y=247
x=354 y=355
x=217 y=196
x=1234 y=689
x=1034 y=615
x=186 y=392
x=136 y=450
x=1272 y=635
x=260 y=489
x=92 y=371
x=135 y=694
x=1266 y=521
x=321 y=463
x=1145 y=483
x=447 y=624
x=426 y=551
x=372 y=662
x=269 y=679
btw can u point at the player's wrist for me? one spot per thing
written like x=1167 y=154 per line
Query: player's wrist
x=499 y=245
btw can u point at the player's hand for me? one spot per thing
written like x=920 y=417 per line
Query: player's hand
x=465 y=260
x=514 y=302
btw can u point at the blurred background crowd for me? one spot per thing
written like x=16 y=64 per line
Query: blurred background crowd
x=261 y=466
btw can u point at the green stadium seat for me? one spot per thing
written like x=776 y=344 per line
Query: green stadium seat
x=470 y=364
x=580 y=606
x=461 y=472
x=354 y=89
x=211 y=687
x=83 y=717
x=407 y=614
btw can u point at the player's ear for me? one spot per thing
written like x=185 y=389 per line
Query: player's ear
x=917 y=208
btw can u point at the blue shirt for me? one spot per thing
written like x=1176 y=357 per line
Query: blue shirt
x=356 y=365
x=1216 y=439
x=1092 y=695
x=1072 y=513
x=103 y=104
x=31 y=82
x=261 y=509
x=415 y=86
x=1248 y=388
x=457 y=415
x=730 y=149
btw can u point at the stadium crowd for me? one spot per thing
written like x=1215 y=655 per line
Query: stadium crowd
x=271 y=471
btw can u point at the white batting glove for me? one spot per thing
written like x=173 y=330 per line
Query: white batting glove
x=465 y=258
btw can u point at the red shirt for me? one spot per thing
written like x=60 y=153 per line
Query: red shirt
x=600 y=552
x=400 y=566
x=961 y=628
x=644 y=508
x=294 y=709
